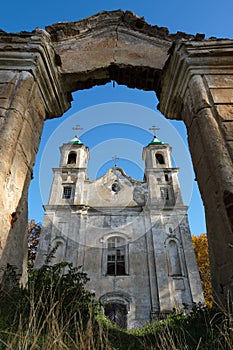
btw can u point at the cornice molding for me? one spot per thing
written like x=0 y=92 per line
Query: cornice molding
x=33 y=52
x=187 y=59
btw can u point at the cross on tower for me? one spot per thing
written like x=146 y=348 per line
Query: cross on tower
x=154 y=128
x=115 y=158
x=77 y=128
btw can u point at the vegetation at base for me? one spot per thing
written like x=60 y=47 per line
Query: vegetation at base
x=200 y=245
x=55 y=297
x=56 y=312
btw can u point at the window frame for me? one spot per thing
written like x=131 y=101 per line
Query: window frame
x=120 y=266
x=116 y=256
x=64 y=196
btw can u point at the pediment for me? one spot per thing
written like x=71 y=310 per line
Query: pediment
x=116 y=189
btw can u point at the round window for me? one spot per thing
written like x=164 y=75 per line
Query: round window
x=115 y=187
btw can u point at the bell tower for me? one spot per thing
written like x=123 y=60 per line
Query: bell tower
x=162 y=178
x=67 y=187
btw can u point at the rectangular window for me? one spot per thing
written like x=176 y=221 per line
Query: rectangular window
x=67 y=192
x=116 y=256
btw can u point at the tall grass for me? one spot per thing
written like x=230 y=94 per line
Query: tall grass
x=204 y=330
x=51 y=315
x=50 y=332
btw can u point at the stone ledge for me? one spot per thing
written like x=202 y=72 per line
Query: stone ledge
x=33 y=52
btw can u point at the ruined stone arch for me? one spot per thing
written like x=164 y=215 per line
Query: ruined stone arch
x=193 y=80
x=119 y=49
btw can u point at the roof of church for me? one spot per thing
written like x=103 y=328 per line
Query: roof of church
x=75 y=141
x=155 y=141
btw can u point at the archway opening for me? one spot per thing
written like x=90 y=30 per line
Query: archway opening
x=159 y=158
x=101 y=95
x=72 y=158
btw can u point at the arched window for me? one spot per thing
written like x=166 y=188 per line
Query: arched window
x=159 y=158
x=174 y=265
x=116 y=252
x=72 y=158
x=115 y=187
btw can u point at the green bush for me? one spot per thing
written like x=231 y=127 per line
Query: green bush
x=59 y=289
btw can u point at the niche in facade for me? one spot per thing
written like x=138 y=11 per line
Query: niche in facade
x=174 y=265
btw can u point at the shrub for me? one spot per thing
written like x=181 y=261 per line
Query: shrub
x=59 y=289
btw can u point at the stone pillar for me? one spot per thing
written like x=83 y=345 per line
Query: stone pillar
x=197 y=87
x=30 y=92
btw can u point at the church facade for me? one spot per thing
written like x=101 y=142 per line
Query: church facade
x=131 y=237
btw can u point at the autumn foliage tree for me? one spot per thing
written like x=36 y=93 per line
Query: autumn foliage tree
x=200 y=244
x=33 y=241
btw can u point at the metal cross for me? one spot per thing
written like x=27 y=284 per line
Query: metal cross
x=77 y=128
x=154 y=128
x=115 y=160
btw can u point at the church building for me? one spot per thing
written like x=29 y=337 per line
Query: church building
x=131 y=237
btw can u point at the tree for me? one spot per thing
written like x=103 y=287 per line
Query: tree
x=200 y=244
x=33 y=241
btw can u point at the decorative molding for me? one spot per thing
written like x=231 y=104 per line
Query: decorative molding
x=187 y=59
x=33 y=52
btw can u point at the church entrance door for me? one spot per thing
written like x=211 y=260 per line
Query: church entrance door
x=116 y=313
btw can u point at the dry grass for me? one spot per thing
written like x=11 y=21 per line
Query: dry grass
x=53 y=335
x=45 y=320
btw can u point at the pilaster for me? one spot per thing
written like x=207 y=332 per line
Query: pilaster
x=197 y=87
x=30 y=92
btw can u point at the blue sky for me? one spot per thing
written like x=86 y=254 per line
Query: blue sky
x=106 y=131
